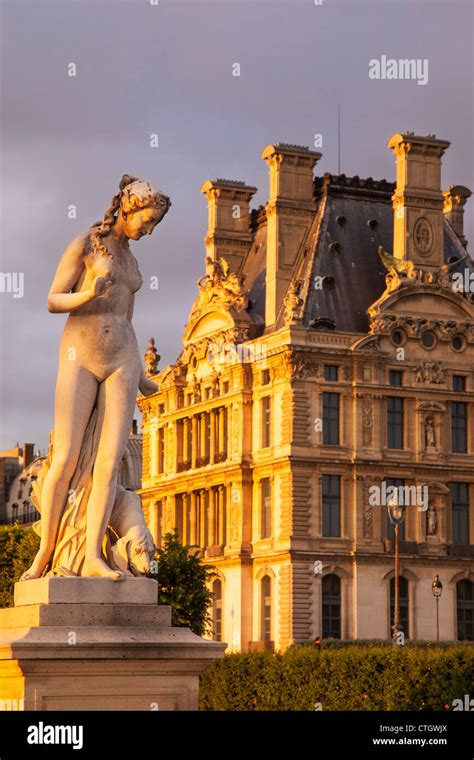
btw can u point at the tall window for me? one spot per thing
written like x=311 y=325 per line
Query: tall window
x=265 y=508
x=331 y=505
x=330 y=418
x=217 y=610
x=331 y=597
x=460 y=512
x=403 y=620
x=458 y=427
x=395 y=422
x=266 y=609
x=465 y=610
x=266 y=408
x=390 y=532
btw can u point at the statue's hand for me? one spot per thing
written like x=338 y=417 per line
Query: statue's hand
x=146 y=386
x=99 y=286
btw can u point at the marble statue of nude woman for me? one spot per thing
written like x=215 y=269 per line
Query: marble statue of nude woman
x=99 y=364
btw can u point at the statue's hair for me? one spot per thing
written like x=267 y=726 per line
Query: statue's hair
x=133 y=194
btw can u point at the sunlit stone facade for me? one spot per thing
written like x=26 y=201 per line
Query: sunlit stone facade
x=308 y=375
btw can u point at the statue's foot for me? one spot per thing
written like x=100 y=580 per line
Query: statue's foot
x=97 y=568
x=36 y=569
x=31 y=574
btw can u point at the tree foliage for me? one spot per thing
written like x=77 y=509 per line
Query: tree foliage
x=182 y=583
x=18 y=546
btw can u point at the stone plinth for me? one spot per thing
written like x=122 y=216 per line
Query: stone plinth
x=98 y=644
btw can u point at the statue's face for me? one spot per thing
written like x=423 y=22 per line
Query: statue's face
x=142 y=222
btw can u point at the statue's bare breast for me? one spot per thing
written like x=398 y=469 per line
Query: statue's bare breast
x=99 y=331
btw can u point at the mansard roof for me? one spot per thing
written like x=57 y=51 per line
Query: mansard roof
x=352 y=218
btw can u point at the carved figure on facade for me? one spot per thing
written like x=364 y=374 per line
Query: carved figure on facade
x=221 y=287
x=293 y=303
x=430 y=372
x=151 y=357
x=430 y=435
x=431 y=521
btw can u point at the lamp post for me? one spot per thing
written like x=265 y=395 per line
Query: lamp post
x=396 y=514
x=437 y=589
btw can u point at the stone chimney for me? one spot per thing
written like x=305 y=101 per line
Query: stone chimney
x=418 y=199
x=289 y=210
x=28 y=453
x=455 y=198
x=228 y=232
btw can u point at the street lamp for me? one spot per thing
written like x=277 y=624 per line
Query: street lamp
x=437 y=589
x=396 y=514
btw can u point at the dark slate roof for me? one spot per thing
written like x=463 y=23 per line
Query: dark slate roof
x=357 y=218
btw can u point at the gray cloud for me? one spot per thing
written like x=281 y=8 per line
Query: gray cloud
x=167 y=69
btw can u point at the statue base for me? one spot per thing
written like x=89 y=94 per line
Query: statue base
x=97 y=644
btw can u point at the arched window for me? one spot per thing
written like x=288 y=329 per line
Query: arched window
x=403 y=620
x=465 y=610
x=217 y=610
x=331 y=598
x=266 y=609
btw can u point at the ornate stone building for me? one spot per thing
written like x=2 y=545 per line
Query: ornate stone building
x=317 y=372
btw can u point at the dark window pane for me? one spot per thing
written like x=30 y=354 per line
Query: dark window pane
x=465 y=610
x=331 y=419
x=265 y=508
x=460 y=512
x=331 y=505
x=395 y=377
x=331 y=598
x=459 y=383
x=266 y=609
x=459 y=427
x=395 y=422
x=217 y=590
x=266 y=421
x=330 y=372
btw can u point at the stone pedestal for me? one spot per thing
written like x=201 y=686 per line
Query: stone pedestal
x=97 y=644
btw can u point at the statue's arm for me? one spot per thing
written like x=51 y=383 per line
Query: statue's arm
x=71 y=266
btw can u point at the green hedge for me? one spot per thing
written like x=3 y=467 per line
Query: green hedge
x=18 y=546
x=369 y=677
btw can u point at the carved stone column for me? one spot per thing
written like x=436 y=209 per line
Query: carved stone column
x=193 y=519
x=155 y=528
x=185 y=503
x=212 y=518
x=185 y=448
x=194 y=440
x=202 y=518
x=212 y=439
x=221 y=432
x=221 y=499
x=202 y=442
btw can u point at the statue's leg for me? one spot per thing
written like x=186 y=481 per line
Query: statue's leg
x=76 y=393
x=117 y=393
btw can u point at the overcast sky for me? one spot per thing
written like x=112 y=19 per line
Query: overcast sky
x=167 y=69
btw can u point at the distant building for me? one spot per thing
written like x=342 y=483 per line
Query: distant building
x=12 y=462
x=23 y=471
x=313 y=377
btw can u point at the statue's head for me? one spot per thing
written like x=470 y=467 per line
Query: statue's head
x=142 y=206
x=139 y=206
